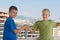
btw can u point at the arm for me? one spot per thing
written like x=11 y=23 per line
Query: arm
x=25 y=27
x=55 y=25
x=19 y=30
x=58 y=24
x=14 y=29
x=33 y=28
x=29 y=29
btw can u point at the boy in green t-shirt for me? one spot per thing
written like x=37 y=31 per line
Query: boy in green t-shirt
x=44 y=26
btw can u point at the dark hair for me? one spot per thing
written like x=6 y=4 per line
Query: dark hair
x=12 y=7
x=45 y=10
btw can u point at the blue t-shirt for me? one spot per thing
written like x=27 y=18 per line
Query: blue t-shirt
x=9 y=26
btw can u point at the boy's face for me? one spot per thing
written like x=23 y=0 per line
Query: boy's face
x=45 y=15
x=13 y=13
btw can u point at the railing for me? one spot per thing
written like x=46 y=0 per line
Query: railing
x=27 y=34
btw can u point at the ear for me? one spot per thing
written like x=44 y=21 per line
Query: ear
x=49 y=15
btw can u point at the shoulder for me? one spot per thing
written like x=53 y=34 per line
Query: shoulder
x=38 y=22
x=9 y=19
x=51 y=21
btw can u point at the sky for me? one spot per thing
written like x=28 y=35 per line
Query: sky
x=32 y=8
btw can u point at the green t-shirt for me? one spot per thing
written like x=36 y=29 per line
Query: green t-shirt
x=45 y=29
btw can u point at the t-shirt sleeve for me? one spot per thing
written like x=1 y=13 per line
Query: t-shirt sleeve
x=54 y=24
x=12 y=25
x=35 y=27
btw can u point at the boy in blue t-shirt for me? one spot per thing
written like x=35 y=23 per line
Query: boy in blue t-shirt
x=10 y=30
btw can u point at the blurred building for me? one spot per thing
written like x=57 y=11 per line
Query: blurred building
x=3 y=16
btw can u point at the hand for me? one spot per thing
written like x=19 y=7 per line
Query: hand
x=25 y=26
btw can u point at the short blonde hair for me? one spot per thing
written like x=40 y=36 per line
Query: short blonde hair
x=45 y=10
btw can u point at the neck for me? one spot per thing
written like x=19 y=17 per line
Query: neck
x=45 y=19
x=10 y=16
